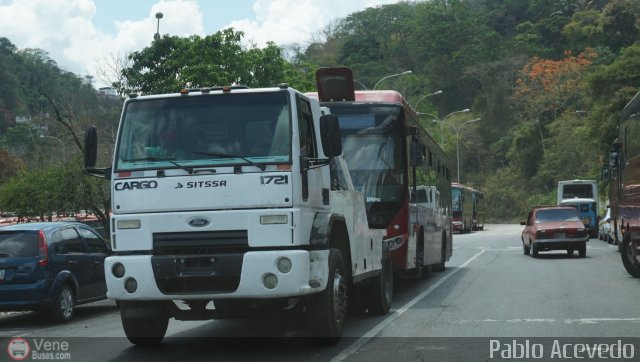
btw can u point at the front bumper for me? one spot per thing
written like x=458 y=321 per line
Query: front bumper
x=164 y=279
x=560 y=244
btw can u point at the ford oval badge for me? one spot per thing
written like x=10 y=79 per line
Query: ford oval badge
x=198 y=222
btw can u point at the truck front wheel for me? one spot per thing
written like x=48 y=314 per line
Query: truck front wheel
x=629 y=254
x=327 y=310
x=144 y=324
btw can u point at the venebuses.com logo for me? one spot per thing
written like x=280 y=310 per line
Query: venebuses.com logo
x=18 y=349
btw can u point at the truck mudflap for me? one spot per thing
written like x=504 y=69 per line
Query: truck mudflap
x=254 y=274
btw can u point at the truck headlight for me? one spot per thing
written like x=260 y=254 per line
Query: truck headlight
x=128 y=224
x=274 y=219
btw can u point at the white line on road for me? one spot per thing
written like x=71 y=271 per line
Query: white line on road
x=550 y=320
x=395 y=315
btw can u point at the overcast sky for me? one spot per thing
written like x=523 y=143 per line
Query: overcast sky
x=78 y=34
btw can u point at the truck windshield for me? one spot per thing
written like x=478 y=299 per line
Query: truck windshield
x=205 y=130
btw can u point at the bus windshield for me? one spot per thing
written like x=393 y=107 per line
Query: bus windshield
x=456 y=201
x=373 y=143
x=584 y=191
x=207 y=130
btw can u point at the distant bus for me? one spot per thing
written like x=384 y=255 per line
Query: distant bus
x=477 y=223
x=582 y=189
x=623 y=174
x=583 y=195
x=394 y=162
x=462 y=200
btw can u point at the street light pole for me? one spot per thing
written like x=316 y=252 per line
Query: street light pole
x=458 y=141
x=423 y=97
x=441 y=121
x=156 y=36
x=392 y=75
x=361 y=84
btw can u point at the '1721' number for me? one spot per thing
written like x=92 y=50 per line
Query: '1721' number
x=276 y=180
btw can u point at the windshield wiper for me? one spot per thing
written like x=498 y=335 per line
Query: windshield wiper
x=150 y=158
x=227 y=155
x=186 y=168
x=168 y=159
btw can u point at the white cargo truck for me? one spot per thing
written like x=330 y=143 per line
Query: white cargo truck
x=232 y=202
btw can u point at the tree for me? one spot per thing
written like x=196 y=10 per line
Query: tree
x=9 y=165
x=171 y=63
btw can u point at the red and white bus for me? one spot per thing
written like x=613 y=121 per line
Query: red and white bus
x=390 y=157
x=462 y=205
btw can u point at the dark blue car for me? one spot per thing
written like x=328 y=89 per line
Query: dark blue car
x=51 y=266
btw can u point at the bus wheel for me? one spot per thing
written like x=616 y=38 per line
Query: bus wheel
x=443 y=256
x=327 y=310
x=629 y=254
x=419 y=269
x=381 y=290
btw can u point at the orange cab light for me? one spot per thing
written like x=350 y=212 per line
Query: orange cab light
x=184 y=91
x=226 y=89
x=283 y=167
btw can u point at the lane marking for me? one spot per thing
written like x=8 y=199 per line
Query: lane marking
x=355 y=346
x=549 y=320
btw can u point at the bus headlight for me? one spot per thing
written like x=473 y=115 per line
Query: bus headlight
x=395 y=243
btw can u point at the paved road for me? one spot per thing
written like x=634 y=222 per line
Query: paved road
x=490 y=296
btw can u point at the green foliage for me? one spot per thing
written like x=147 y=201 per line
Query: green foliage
x=171 y=63
x=516 y=64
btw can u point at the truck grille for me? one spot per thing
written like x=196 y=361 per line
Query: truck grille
x=201 y=242
x=198 y=262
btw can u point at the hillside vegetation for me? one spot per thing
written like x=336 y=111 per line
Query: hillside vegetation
x=547 y=78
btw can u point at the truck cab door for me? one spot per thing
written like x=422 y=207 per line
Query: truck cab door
x=312 y=180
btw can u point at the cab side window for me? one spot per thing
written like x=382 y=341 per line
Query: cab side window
x=94 y=242
x=71 y=241
x=305 y=129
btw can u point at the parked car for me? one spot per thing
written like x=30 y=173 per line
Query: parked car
x=51 y=266
x=554 y=228
x=604 y=227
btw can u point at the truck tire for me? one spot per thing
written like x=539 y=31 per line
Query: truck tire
x=327 y=310
x=145 y=324
x=534 y=250
x=381 y=290
x=63 y=305
x=629 y=256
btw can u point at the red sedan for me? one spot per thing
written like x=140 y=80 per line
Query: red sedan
x=554 y=228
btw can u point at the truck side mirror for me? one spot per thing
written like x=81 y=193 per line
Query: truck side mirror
x=90 y=147
x=330 y=135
